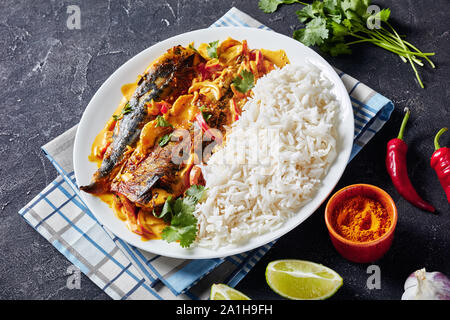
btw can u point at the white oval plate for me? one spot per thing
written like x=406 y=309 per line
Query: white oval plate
x=107 y=98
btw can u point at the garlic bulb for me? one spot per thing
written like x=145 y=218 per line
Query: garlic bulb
x=422 y=285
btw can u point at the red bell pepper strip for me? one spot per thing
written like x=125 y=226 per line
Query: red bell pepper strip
x=257 y=56
x=102 y=152
x=234 y=109
x=163 y=106
x=202 y=123
x=207 y=70
x=397 y=169
x=440 y=162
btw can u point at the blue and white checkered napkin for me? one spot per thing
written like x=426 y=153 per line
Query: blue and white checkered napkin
x=125 y=272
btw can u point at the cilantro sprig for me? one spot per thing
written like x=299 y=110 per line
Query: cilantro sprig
x=244 y=82
x=211 y=49
x=180 y=214
x=336 y=25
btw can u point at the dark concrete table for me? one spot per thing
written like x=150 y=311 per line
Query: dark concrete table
x=49 y=73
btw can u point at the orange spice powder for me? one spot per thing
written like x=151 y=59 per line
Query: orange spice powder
x=361 y=219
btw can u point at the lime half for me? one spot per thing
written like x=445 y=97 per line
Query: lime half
x=223 y=292
x=302 y=280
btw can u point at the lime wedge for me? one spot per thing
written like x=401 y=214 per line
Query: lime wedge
x=223 y=292
x=302 y=280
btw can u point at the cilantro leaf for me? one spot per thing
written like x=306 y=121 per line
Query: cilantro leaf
x=166 y=212
x=314 y=33
x=186 y=235
x=196 y=192
x=183 y=225
x=126 y=109
x=269 y=6
x=383 y=15
x=165 y=139
x=162 y=122
x=205 y=114
x=339 y=29
x=305 y=14
x=244 y=82
x=211 y=49
x=184 y=206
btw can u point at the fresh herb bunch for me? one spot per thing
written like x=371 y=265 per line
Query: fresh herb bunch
x=329 y=23
x=179 y=212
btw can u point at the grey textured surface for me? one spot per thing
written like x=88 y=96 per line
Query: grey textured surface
x=49 y=73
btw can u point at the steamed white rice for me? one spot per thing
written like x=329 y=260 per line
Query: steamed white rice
x=274 y=158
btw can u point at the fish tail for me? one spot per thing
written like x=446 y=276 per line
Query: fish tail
x=95 y=187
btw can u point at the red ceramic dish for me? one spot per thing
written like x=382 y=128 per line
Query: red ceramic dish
x=362 y=252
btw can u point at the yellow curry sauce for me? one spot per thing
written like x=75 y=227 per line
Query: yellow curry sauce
x=211 y=89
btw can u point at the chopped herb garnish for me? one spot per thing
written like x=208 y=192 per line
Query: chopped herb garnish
x=192 y=47
x=206 y=115
x=162 y=122
x=183 y=223
x=165 y=139
x=211 y=49
x=244 y=82
x=125 y=110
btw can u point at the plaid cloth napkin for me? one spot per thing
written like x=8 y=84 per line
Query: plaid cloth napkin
x=125 y=272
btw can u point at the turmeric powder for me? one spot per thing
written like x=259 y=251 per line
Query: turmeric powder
x=361 y=219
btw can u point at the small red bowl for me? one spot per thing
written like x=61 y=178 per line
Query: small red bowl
x=362 y=252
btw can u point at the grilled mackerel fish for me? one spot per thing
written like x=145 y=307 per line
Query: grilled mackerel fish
x=143 y=183
x=155 y=84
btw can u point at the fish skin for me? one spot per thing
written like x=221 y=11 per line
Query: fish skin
x=127 y=130
x=157 y=169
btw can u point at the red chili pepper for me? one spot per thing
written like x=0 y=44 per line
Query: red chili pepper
x=397 y=169
x=440 y=162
